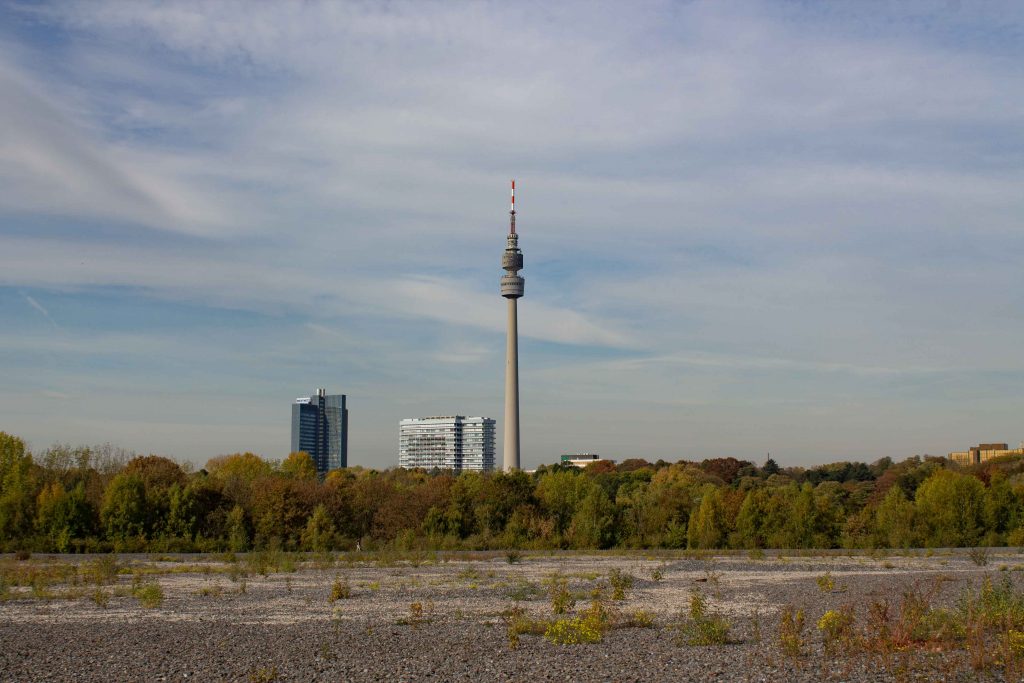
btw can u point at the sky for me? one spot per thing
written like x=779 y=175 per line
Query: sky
x=793 y=228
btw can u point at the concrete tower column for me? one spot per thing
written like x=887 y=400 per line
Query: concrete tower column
x=511 y=444
x=512 y=288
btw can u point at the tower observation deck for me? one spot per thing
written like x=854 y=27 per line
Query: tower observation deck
x=512 y=289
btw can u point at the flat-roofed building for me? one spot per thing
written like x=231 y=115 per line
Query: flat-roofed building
x=449 y=442
x=582 y=459
x=984 y=452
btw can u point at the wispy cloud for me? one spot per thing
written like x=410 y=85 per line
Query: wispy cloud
x=711 y=194
x=39 y=307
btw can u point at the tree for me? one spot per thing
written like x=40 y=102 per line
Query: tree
x=707 y=527
x=1002 y=508
x=245 y=466
x=894 y=519
x=949 y=509
x=238 y=530
x=319 y=534
x=17 y=488
x=63 y=515
x=750 y=520
x=299 y=465
x=593 y=523
x=124 y=507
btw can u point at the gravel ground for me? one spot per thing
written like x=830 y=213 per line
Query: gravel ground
x=283 y=626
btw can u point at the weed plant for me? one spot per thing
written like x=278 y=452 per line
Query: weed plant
x=340 y=590
x=149 y=595
x=621 y=582
x=701 y=626
x=791 y=631
x=588 y=627
x=562 y=599
x=836 y=626
x=979 y=555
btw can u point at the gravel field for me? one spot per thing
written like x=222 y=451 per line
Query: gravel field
x=220 y=620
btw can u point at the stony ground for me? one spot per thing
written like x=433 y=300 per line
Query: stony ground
x=223 y=620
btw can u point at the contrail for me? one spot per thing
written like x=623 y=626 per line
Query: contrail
x=39 y=307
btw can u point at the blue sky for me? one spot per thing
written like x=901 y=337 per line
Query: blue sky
x=748 y=227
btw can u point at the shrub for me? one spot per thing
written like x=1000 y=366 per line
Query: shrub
x=571 y=631
x=562 y=599
x=340 y=590
x=100 y=597
x=104 y=569
x=836 y=625
x=621 y=582
x=979 y=555
x=590 y=627
x=826 y=584
x=640 y=619
x=518 y=623
x=791 y=631
x=513 y=556
x=523 y=590
x=149 y=595
x=703 y=627
x=417 y=616
x=22 y=555
x=657 y=575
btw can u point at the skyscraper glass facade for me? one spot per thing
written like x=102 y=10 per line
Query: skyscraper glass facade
x=320 y=428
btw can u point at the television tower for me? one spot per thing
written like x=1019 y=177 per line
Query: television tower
x=512 y=288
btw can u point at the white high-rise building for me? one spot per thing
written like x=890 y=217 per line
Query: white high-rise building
x=452 y=442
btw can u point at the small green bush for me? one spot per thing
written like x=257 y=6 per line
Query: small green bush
x=562 y=599
x=640 y=619
x=149 y=595
x=791 y=631
x=523 y=590
x=620 y=582
x=836 y=626
x=703 y=627
x=340 y=590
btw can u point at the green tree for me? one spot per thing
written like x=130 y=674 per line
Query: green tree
x=238 y=530
x=319 y=534
x=707 y=527
x=894 y=520
x=750 y=531
x=124 y=511
x=949 y=509
x=1002 y=508
x=299 y=465
x=17 y=489
x=593 y=522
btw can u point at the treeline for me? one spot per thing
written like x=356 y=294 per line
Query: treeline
x=100 y=499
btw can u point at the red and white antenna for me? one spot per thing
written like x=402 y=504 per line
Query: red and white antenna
x=512 y=213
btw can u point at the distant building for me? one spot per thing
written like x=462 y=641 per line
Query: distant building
x=320 y=428
x=452 y=442
x=984 y=452
x=583 y=459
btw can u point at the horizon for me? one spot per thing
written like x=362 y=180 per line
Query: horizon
x=748 y=228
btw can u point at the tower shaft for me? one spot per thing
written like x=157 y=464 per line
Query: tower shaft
x=511 y=443
x=512 y=288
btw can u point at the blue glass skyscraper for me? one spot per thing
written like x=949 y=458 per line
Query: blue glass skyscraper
x=320 y=428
